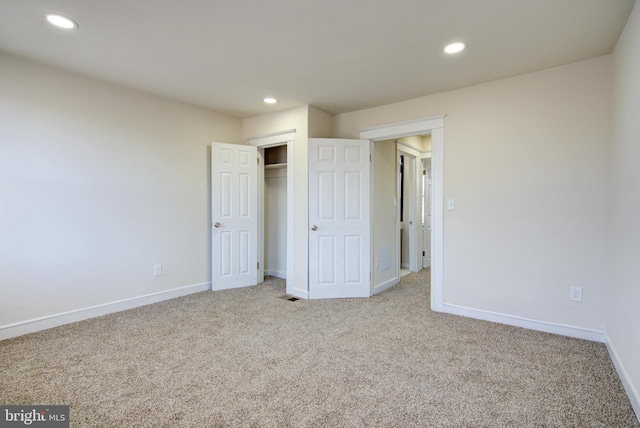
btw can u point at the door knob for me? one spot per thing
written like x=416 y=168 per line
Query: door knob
x=314 y=227
x=216 y=224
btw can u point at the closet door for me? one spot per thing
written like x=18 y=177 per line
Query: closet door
x=339 y=218
x=234 y=212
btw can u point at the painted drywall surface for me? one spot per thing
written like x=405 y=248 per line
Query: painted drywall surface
x=97 y=184
x=384 y=216
x=426 y=143
x=319 y=125
x=298 y=119
x=623 y=283
x=525 y=163
x=275 y=221
x=414 y=141
x=285 y=120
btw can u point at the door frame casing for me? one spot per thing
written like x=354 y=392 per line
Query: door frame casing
x=262 y=142
x=433 y=125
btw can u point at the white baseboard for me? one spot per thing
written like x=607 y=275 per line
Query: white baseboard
x=564 y=330
x=377 y=289
x=50 y=321
x=276 y=273
x=630 y=389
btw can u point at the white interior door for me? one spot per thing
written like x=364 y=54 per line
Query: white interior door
x=426 y=226
x=339 y=218
x=411 y=221
x=234 y=216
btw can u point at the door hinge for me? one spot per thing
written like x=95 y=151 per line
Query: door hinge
x=258 y=159
x=423 y=254
x=258 y=266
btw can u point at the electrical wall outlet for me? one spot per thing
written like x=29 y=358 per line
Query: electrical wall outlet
x=157 y=270
x=575 y=294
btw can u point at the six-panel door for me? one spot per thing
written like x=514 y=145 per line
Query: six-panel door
x=234 y=178
x=339 y=218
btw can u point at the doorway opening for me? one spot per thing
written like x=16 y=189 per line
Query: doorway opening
x=274 y=247
x=397 y=209
x=275 y=206
x=411 y=152
x=435 y=127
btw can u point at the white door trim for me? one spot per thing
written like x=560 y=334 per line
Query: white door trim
x=262 y=142
x=403 y=129
x=409 y=150
x=270 y=140
x=435 y=126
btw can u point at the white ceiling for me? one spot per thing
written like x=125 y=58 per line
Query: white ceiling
x=339 y=55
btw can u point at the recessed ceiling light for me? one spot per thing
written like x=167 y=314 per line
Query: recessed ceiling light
x=61 y=21
x=454 y=48
x=270 y=100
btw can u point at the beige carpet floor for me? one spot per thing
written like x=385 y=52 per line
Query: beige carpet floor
x=249 y=358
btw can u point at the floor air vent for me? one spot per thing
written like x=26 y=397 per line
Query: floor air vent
x=289 y=298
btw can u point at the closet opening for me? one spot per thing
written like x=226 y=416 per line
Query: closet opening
x=276 y=202
x=275 y=211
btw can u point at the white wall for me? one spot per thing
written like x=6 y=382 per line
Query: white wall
x=319 y=123
x=623 y=284
x=97 y=184
x=525 y=161
x=384 y=215
x=298 y=119
x=416 y=142
x=426 y=143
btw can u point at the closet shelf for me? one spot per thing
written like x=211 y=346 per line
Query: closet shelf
x=275 y=165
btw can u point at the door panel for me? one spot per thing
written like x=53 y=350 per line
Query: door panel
x=234 y=175
x=339 y=238
x=244 y=196
x=352 y=260
x=352 y=197
x=327 y=259
x=326 y=193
